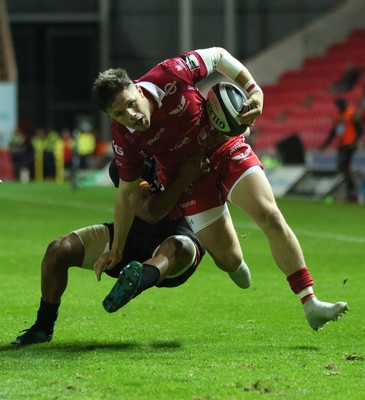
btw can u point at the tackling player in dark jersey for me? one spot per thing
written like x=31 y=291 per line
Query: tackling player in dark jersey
x=162 y=253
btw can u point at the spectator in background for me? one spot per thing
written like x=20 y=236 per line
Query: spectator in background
x=67 y=147
x=101 y=151
x=347 y=80
x=18 y=151
x=51 y=142
x=38 y=147
x=346 y=132
x=46 y=147
x=85 y=144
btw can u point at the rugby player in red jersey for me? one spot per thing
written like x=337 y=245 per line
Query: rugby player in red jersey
x=162 y=114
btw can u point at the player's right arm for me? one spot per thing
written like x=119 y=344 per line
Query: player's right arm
x=126 y=199
x=219 y=59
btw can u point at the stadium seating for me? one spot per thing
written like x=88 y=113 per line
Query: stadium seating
x=302 y=101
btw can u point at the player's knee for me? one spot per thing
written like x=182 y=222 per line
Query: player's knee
x=58 y=253
x=272 y=220
x=228 y=261
x=184 y=247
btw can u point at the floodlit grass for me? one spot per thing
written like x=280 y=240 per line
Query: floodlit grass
x=206 y=340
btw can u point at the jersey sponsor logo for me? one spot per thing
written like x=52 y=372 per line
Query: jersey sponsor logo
x=181 y=107
x=188 y=204
x=170 y=88
x=239 y=145
x=191 y=61
x=117 y=149
x=239 y=157
x=156 y=137
x=243 y=155
x=180 y=144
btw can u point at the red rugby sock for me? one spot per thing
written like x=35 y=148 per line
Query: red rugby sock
x=301 y=284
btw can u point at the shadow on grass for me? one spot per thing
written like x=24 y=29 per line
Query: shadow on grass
x=307 y=348
x=84 y=347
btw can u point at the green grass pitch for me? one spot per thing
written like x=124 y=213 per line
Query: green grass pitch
x=206 y=340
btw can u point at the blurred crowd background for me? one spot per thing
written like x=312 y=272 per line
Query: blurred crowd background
x=304 y=55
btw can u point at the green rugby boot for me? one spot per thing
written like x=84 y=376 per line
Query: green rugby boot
x=125 y=288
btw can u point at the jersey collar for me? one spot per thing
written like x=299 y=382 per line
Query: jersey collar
x=155 y=91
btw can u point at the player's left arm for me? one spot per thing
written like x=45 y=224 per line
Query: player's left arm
x=217 y=58
x=154 y=206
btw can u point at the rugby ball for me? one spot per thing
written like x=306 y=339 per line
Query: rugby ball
x=225 y=102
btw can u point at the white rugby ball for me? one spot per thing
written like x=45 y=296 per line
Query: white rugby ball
x=225 y=101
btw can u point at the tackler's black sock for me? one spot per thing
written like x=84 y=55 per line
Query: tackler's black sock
x=47 y=316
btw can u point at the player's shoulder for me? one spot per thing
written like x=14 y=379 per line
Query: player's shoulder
x=180 y=66
x=186 y=62
x=163 y=71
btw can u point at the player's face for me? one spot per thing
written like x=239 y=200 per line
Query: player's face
x=131 y=109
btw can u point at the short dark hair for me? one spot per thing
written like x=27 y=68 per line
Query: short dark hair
x=107 y=86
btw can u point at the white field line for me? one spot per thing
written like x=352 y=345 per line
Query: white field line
x=51 y=202
x=89 y=207
x=312 y=234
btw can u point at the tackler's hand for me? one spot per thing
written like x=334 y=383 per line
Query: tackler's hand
x=194 y=166
x=106 y=262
